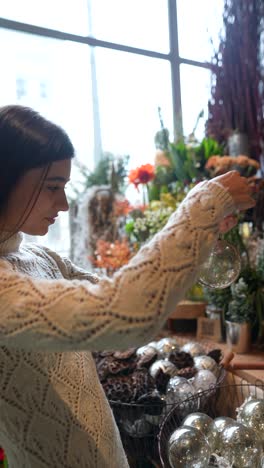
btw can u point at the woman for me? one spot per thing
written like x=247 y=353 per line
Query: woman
x=53 y=411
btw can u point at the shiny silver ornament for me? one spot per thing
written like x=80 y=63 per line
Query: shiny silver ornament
x=205 y=424
x=166 y=345
x=146 y=350
x=153 y=344
x=251 y=414
x=187 y=448
x=222 y=422
x=193 y=348
x=204 y=380
x=178 y=390
x=165 y=366
x=206 y=362
x=240 y=446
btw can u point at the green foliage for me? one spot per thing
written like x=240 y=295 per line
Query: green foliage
x=241 y=307
x=162 y=139
x=144 y=227
x=110 y=170
x=235 y=238
x=218 y=297
x=244 y=300
x=207 y=148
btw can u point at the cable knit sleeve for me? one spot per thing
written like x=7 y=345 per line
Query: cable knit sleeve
x=127 y=309
x=69 y=270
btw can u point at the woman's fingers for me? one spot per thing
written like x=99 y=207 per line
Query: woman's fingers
x=239 y=188
x=228 y=223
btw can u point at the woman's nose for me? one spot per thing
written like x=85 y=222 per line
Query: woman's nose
x=63 y=204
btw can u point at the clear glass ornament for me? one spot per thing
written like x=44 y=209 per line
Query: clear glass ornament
x=222 y=422
x=251 y=414
x=222 y=267
x=188 y=448
x=240 y=446
x=205 y=424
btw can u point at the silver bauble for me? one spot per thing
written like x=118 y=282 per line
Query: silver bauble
x=166 y=345
x=204 y=380
x=178 y=389
x=165 y=366
x=187 y=448
x=205 y=424
x=240 y=446
x=205 y=362
x=193 y=348
x=251 y=414
x=153 y=344
x=222 y=422
x=146 y=350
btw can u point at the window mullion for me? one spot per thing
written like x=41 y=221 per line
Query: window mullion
x=175 y=69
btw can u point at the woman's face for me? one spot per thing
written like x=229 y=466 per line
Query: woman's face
x=50 y=201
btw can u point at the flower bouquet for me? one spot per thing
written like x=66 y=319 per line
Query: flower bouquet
x=246 y=166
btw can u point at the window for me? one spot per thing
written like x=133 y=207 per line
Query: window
x=137 y=23
x=199 y=25
x=101 y=69
x=64 y=15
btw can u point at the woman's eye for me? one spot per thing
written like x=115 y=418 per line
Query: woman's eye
x=53 y=188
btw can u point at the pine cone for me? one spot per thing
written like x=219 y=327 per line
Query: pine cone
x=187 y=372
x=161 y=381
x=181 y=359
x=216 y=354
x=124 y=355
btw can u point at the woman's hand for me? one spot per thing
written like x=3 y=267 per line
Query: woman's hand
x=228 y=223
x=239 y=188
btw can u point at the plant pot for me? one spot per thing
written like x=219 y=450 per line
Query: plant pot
x=238 y=336
x=238 y=144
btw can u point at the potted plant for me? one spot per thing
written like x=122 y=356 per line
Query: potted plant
x=240 y=314
x=236 y=105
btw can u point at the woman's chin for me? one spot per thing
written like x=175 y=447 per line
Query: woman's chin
x=37 y=231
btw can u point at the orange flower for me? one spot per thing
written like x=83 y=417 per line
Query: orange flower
x=161 y=159
x=226 y=161
x=111 y=255
x=142 y=174
x=242 y=160
x=212 y=162
x=122 y=208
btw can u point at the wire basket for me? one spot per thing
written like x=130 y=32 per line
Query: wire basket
x=139 y=426
x=222 y=402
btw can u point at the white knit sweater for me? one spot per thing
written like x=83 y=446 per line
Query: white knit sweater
x=53 y=411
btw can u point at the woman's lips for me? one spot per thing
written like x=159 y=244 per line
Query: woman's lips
x=51 y=220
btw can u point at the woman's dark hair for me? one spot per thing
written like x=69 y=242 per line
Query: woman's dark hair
x=27 y=141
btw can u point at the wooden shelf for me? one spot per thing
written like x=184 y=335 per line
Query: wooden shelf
x=188 y=310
